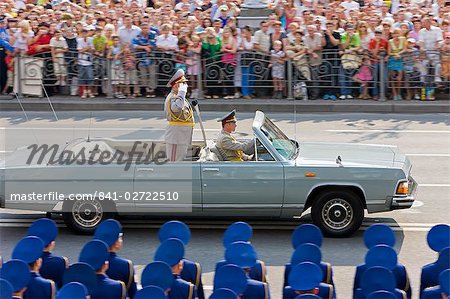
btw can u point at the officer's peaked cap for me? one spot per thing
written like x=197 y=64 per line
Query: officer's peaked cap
x=157 y=274
x=45 y=229
x=152 y=292
x=381 y=255
x=108 y=231
x=231 y=277
x=439 y=237
x=72 y=290
x=175 y=229
x=29 y=249
x=171 y=251
x=381 y=295
x=238 y=231
x=6 y=289
x=305 y=276
x=307 y=233
x=376 y=279
x=241 y=254
x=178 y=77
x=378 y=234
x=307 y=252
x=17 y=273
x=94 y=253
x=223 y=293
x=82 y=273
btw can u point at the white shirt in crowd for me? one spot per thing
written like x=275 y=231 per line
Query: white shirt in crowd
x=352 y=5
x=20 y=4
x=22 y=43
x=84 y=59
x=58 y=44
x=430 y=38
x=171 y=41
x=126 y=35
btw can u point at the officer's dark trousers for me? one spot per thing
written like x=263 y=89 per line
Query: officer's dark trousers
x=3 y=70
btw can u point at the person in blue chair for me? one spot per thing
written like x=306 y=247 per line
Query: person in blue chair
x=158 y=274
x=152 y=292
x=17 y=274
x=30 y=250
x=378 y=279
x=309 y=233
x=438 y=238
x=110 y=232
x=230 y=277
x=430 y=273
x=242 y=231
x=81 y=273
x=307 y=296
x=192 y=271
x=442 y=291
x=380 y=234
x=171 y=252
x=223 y=294
x=305 y=278
x=381 y=295
x=243 y=255
x=72 y=290
x=53 y=266
x=6 y=289
x=95 y=253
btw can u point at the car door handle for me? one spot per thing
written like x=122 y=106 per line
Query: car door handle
x=146 y=169
x=210 y=169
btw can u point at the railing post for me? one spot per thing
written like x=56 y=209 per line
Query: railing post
x=19 y=75
x=382 y=78
x=109 y=91
x=290 y=95
x=200 y=94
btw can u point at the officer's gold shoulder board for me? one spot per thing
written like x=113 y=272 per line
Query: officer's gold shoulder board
x=198 y=274
x=130 y=273
x=66 y=262
x=266 y=291
x=191 y=291
x=328 y=273
x=330 y=295
x=406 y=288
x=124 y=289
x=52 y=284
x=263 y=271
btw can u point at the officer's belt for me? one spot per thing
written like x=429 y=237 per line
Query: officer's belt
x=179 y=123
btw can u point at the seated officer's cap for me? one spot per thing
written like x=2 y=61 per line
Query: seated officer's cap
x=29 y=249
x=229 y=117
x=377 y=279
x=94 y=253
x=152 y=292
x=82 y=273
x=305 y=276
x=241 y=254
x=382 y=256
x=73 y=290
x=171 y=252
x=45 y=229
x=307 y=233
x=307 y=252
x=157 y=274
x=381 y=295
x=17 y=273
x=6 y=289
x=444 y=281
x=238 y=231
x=307 y=296
x=230 y=277
x=439 y=237
x=378 y=234
x=108 y=231
x=175 y=229
x=223 y=294
x=178 y=77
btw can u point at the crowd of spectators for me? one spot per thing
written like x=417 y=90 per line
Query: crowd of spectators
x=410 y=38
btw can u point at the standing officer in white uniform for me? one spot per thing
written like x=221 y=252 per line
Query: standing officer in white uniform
x=179 y=114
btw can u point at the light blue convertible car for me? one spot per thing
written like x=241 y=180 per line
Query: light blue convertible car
x=337 y=181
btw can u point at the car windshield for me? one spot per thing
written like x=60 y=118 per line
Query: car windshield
x=284 y=146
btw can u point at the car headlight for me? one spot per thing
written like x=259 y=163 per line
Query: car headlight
x=402 y=188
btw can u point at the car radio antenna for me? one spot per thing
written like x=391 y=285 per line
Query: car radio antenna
x=49 y=102
x=26 y=115
x=89 y=129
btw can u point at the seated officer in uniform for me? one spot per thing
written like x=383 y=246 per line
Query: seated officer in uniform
x=95 y=253
x=192 y=272
x=53 y=266
x=171 y=252
x=81 y=273
x=442 y=291
x=231 y=278
x=242 y=231
x=223 y=294
x=17 y=274
x=309 y=233
x=378 y=279
x=229 y=148
x=72 y=290
x=110 y=232
x=242 y=254
x=380 y=234
x=305 y=279
x=30 y=250
x=150 y=292
x=6 y=289
x=158 y=274
x=430 y=273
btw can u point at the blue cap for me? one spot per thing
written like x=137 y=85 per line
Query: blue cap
x=157 y=274
x=238 y=231
x=108 y=231
x=175 y=229
x=29 y=249
x=241 y=254
x=381 y=295
x=439 y=237
x=377 y=279
x=444 y=281
x=444 y=258
x=305 y=276
x=231 y=277
x=171 y=251
x=17 y=273
x=378 y=234
x=307 y=233
x=45 y=229
x=94 y=253
x=382 y=256
x=72 y=290
x=223 y=293
x=152 y=292
x=82 y=273
x=6 y=289
x=307 y=296
x=306 y=253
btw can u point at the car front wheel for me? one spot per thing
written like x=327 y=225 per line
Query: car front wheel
x=338 y=213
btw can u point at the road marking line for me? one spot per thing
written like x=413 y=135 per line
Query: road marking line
x=434 y=185
x=95 y=129
x=388 y=131
x=428 y=155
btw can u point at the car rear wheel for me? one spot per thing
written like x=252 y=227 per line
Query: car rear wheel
x=84 y=216
x=338 y=213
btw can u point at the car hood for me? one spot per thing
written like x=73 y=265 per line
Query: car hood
x=351 y=154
